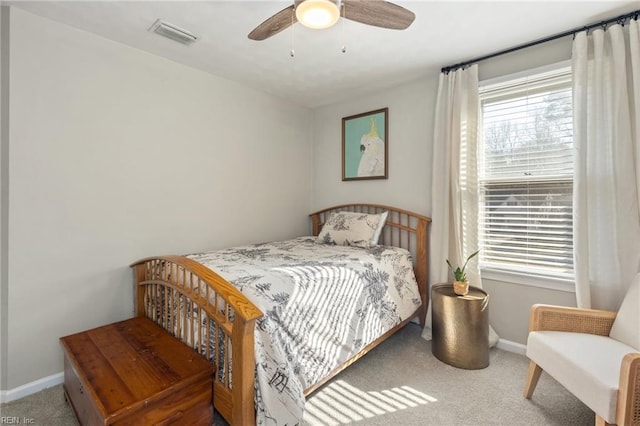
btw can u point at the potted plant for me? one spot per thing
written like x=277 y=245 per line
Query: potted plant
x=461 y=285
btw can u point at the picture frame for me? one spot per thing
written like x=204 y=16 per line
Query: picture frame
x=365 y=145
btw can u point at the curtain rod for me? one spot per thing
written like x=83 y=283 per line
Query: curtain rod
x=618 y=19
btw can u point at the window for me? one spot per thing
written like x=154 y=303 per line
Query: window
x=525 y=173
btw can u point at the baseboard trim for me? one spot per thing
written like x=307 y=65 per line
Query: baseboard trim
x=509 y=346
x=31 y=388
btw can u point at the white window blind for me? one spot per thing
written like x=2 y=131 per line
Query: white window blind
x=526 y=175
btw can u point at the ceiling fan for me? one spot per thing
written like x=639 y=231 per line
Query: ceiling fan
x=325 y=13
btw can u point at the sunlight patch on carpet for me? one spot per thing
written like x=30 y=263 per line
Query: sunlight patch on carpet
x=341 y=403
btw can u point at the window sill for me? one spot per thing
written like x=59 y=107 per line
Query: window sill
x=532 y=280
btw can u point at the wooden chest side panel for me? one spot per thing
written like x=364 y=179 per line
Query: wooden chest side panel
x=80 y=398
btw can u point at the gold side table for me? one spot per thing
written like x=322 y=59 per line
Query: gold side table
x=460 y=327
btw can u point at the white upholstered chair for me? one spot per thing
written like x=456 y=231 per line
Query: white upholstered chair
x=594 y=354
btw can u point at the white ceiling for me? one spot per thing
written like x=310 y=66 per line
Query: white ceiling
x=444 y=33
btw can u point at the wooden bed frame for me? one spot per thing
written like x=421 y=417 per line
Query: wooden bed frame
x=177 y=292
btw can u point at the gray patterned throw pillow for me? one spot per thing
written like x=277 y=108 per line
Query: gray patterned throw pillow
x=352 y=229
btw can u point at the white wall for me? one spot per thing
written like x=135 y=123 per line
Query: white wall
x=411 y=115
x=4 y=143
x=410 y=140
x=116 y=154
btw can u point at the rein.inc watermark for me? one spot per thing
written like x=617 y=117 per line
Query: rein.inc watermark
x=17 y=420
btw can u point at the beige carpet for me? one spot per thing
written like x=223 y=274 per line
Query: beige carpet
x=399 y=383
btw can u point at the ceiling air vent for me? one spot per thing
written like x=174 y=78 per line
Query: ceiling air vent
x=174 y=33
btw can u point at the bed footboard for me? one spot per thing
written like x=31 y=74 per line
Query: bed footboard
x=207 y=313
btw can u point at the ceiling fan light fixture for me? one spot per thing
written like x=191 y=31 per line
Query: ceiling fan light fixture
x=318 y=14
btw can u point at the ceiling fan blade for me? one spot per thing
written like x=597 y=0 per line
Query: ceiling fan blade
x=378 y=13
x=274 y=24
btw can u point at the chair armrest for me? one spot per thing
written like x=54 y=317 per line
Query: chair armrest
x=564 y=318
x=628 y=409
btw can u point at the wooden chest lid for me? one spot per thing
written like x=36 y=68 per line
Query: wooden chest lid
x=128 y=364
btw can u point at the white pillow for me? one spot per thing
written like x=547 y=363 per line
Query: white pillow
x=352 y=229
x=626 y=326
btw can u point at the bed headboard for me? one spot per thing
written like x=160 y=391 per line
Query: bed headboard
x=403 y=229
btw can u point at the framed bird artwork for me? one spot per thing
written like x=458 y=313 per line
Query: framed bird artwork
x=365 y=139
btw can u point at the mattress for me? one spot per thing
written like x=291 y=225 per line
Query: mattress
x=322 y=304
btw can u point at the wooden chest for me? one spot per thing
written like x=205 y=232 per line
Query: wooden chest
x=134 y=373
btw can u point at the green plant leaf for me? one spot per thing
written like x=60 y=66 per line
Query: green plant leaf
x=459 y=273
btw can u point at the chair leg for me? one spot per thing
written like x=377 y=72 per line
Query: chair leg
x=532 y=379
x=601 y=422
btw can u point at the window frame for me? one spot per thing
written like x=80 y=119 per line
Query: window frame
x=534 y=279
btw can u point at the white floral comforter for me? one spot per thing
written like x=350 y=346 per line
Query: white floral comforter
x=322 y=304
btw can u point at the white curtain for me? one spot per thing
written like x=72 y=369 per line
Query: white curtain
x=454 y=205
x=606 y=103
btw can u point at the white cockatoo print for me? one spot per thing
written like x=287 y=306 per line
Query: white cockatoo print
x=372 y=149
